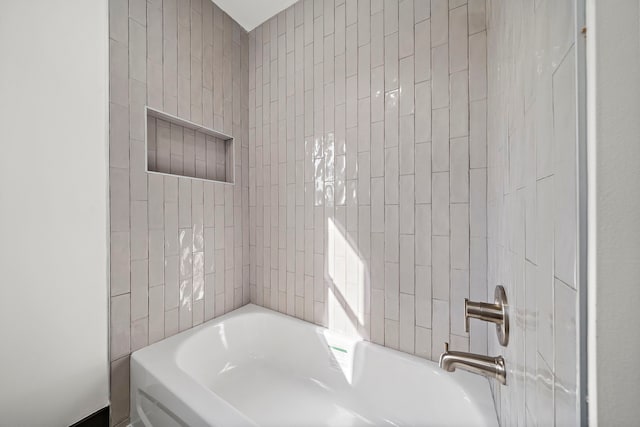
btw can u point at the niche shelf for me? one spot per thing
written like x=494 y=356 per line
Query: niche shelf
x=178 y=147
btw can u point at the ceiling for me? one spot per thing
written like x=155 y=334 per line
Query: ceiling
x=251 y=13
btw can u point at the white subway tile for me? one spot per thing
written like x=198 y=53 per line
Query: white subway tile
x=156 y=257
x=565 y=179
x=390 y=16
x=459 y=170
x=364 y=71
x=377 y=39
x=440 y=204
x=377 y=149
x=391 y=122
x=119 y=195
x=423 y=173
x=459 y=121
x=120 y=264
x=406 y=145
x=531 y=353
x=119 y=389
x=440 y=22
x=406 y=85
x=544 y=392
x=459 y=343
x=391 y=62
x=422 y=49
x=423 y=234
x=137 y=173
x=405 y=28
x=120 y=321
x=377 y=94
x=440 y=141
x=391 y=177
x=351 y=50
x=392 y=228
x=423 y=342
x=460 y=236
x=440 y=331
x=118 y=73
x=476 y=10
x=364 y=130
x=377 y=316
x=458 y=39
x=439 y=76
x=139 y=289
x=171 y=279
x=407 y=264
x=423 y=296
x=119 y=136
x=364 y=22
x=139 y=230
x=156 y=314
x=137 y=50
x=391 y=334
x=478 y=204
x=440 y=269
x=377 y=204
x=422 y=112
x=171 y=322
x=407 y=319
x=339 y=29
x=561 y=36
x=478 y=66
x=453 y=4
x=422 y=10
x=566 y=350
x=407 y=203
x=118 y=19
x=352 y=102
x=478 y=134
x=544 y=281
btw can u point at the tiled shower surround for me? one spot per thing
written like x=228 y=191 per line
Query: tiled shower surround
x=532 y=205
x=179 y=247
x=367 y=168
x=366 y=196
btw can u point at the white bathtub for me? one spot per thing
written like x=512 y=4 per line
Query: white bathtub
x=258 y=367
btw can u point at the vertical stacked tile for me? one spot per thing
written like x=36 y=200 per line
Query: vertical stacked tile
x=478 y=288
x=336 y=246
x=440 y=241
x=458 y=171
x=359 y=291
x=531 y=200
x=119 y=192
x=422 y=178
x=177 y=245
x=378 y=227
x=406 y=170
x=377 y=186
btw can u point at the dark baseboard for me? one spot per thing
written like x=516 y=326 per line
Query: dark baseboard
x=100 y=418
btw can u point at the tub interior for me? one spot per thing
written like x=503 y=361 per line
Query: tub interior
x=281 y=371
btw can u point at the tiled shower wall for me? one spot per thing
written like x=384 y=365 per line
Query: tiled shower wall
x=532 y=205
x=179 y=247
x=367 y=168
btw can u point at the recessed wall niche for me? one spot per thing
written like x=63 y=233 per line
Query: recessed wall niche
x=179 y=147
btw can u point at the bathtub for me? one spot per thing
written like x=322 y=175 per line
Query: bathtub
x=256 y=367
